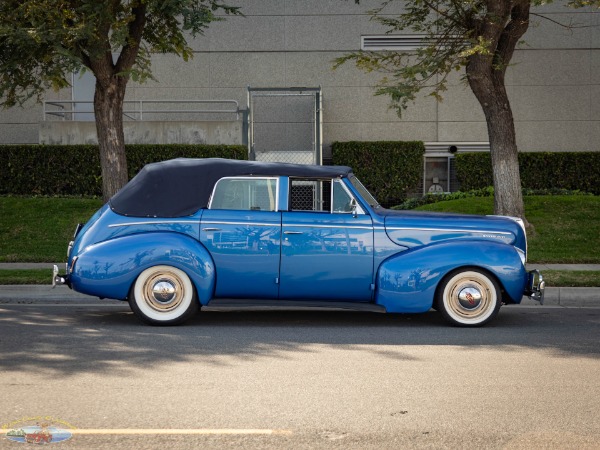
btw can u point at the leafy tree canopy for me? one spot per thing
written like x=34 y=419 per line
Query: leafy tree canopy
x=43 y=41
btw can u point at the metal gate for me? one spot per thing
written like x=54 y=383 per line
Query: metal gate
x=285 y=125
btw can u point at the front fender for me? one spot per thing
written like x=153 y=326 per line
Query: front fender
x=407 y=282
x=108 y=269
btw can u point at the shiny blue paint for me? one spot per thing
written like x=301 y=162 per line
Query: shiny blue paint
x=407 y=282
x=415 y=229
x=106 y=225
x=109 y=268
x=284 y=193
x=245 y=246
x=326 y=256
x=300 y=255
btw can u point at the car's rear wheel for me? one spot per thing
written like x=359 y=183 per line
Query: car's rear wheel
x=469 y=297
x=163 y=295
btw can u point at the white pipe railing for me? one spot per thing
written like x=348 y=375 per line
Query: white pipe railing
x=67 y=109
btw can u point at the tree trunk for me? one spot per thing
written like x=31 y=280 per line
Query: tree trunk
x=504 y=24
x=508 y=196
x=108 y=107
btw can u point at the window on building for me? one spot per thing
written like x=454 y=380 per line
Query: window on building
x=83 y=89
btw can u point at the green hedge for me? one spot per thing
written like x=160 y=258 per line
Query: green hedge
x=543 y=170
x=388 y=169
x=75 y=169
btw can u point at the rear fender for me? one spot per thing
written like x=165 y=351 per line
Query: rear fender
x=109 y=269
x=407 y=282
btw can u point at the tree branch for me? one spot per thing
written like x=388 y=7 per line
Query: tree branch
x=136 y=29
x=560 y=24
x=512 y=33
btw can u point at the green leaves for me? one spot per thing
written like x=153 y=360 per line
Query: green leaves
x=75 y=169
x=539 y=170
x=388 y=169
x=43 y=41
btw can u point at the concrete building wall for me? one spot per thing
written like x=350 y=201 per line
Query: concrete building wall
x=554 y=82
x=145 y=132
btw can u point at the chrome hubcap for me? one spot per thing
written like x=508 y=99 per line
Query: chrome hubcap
x=469 y=298
x=164 y=291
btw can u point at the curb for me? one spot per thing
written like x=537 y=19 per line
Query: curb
x=558 y=296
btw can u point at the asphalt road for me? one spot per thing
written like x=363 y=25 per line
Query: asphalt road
x=301 y=379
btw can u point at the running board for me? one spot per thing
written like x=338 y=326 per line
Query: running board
x=283 y=305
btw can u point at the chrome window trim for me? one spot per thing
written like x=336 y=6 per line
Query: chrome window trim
x=245 y=178
x=359 y=209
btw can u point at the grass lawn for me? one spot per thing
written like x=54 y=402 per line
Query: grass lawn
x=26 y=276
x=567 y=228
x=39 y=229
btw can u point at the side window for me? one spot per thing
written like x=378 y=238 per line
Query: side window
x=248 y=194
x=319 y=196
x=310 y=195
x=342 y=201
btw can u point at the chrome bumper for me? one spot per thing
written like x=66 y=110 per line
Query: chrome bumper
x=59 y=280
x=536 y=286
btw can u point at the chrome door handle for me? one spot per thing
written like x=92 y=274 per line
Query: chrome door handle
x=211 y=229
x=293 y=232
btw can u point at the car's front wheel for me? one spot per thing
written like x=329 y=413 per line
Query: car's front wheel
x=163 y=295
x=469 y=297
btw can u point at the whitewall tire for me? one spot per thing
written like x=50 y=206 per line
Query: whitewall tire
x=469 y=297
x=163 y=295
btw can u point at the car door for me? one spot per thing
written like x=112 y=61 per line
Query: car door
x=326 y=249
x=242 y=231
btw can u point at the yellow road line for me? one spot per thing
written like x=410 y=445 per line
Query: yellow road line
x=198 y=431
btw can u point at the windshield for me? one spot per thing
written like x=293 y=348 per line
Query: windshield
x=366 y=195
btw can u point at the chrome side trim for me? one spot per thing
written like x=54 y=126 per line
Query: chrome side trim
x=304 y=225
x=255 y=224
x=450 y=229
x=158 y=222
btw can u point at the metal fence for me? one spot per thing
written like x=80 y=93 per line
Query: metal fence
x=285 y=125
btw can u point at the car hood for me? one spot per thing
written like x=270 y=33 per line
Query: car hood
x=415 y=228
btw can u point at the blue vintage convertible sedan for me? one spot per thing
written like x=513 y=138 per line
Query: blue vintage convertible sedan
x=186 y=233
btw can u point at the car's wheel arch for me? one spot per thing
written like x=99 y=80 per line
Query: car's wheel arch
x=428 y=265
x=128 y=256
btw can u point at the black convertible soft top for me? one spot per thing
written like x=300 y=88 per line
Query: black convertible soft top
x=180 y=187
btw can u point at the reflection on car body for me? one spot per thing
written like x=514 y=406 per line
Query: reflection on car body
x=186 y=233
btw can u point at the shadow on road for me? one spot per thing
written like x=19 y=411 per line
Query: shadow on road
x=67 y=340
